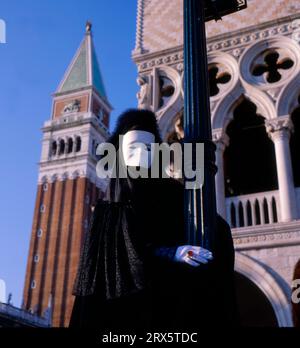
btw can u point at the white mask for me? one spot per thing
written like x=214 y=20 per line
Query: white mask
x=136 y=147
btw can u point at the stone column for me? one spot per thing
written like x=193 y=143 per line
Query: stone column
x=221 y=141
x=279 y=131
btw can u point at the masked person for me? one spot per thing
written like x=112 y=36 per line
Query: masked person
x=135 y=266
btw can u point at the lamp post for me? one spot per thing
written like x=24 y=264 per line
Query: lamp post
x=200 y=204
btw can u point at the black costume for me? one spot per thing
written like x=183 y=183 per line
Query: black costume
x=127 y=276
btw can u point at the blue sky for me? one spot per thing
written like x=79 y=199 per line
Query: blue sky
x=42 y=37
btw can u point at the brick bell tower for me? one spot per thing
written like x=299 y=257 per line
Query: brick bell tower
x=67 y=185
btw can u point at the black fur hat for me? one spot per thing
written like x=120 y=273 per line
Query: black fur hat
x=135 y=119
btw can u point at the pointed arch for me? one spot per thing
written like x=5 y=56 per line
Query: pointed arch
x=170 y=133
x=167 y=120
x=243 y=164
x=165 y=116
x=295 y=140
x=271 y=284
x=223 y=112
x=287 y=100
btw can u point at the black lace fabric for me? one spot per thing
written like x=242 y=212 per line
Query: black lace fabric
x=119 y=268
x=111 y=261
x=124 y=281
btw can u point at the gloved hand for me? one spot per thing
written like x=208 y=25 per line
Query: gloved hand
x=193 y=255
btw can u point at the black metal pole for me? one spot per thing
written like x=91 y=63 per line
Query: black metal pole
x=200 y=204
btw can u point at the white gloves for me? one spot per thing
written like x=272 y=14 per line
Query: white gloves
x=193 y=255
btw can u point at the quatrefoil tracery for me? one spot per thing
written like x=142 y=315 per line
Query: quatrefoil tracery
x=217 y=76
x=273 y=66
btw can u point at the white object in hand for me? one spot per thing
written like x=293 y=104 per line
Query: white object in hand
x=193 y=255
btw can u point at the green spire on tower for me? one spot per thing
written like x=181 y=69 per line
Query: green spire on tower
x=84 y=70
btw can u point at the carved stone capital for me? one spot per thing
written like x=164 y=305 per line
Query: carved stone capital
x=220 y=139
x=279 y=128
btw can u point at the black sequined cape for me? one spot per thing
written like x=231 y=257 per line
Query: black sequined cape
x=122 y=284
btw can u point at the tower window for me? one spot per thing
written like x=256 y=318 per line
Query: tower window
x=54 y=148
x=62 y=147
x=42 y=208
x=78 y=144
x=45 y=187
x=39 y=233
x=33 y=284
x=70 y=145
x=36 y=258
